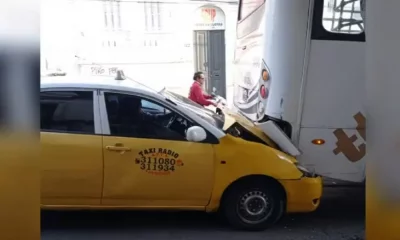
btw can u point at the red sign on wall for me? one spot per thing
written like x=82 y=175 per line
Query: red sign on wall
x=209 y=18
x=208 y=14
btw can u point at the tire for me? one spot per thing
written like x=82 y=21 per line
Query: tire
x=267 y=200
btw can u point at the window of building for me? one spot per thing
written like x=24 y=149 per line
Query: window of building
x=343 y=16
x=131 y=116
x=246 y=7
x=112 y=23
x=112 y=15
x=67 y=111
x=152 y=16
x=159 y=26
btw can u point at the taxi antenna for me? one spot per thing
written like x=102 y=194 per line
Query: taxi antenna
x=120 y=75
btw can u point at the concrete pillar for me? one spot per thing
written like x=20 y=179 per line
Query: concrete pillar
x=383 y=124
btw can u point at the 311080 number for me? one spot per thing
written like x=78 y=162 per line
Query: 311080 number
x=157 y=164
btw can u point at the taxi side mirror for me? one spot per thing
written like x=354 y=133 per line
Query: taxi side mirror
x=196 y=134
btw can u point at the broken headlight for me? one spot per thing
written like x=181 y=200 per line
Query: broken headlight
x=305 y=171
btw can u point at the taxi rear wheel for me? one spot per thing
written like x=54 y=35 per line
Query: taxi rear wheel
x=253 y=207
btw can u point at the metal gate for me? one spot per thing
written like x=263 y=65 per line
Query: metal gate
x=209 y=52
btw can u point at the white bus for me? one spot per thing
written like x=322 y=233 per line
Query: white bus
x=301 y=64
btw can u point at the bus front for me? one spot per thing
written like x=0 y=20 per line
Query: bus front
x=269 y=58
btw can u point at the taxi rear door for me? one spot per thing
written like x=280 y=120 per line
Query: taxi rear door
x=145 y=170
x=71 y=155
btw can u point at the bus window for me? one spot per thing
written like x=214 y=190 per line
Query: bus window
x=246 y=7
x=343 y=16
x=338 y=20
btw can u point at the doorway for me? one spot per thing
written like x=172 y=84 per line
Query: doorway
x=209 y=52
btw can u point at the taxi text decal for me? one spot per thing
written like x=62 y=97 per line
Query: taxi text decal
x=158 y=161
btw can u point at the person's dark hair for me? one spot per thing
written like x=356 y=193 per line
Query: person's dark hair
x=197 y=75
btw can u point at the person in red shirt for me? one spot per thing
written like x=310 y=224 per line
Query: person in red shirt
x=196 y=92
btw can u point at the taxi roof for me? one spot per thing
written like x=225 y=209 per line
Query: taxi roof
x=128 y=84
x=95 y=82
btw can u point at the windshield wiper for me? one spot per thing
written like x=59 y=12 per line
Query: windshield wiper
x=162 y=90
x=170 y=101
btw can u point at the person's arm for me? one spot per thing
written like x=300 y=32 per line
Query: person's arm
x=200 y=98
x=155 y=117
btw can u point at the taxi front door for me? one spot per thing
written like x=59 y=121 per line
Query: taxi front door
x=147 y=172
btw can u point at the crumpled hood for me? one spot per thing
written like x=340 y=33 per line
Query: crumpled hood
x=267 y=131
x=232 y=117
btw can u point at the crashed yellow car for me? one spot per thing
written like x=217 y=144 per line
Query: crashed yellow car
x=111 y=143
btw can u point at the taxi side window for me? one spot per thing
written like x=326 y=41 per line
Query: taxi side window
x=151 y=107
x=131 y=116
x=67 y=111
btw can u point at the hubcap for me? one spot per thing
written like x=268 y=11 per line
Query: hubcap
x=254 y=207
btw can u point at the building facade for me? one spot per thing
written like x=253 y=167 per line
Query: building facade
x=158 y=43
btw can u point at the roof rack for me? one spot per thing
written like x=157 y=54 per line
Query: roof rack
x=120 y=75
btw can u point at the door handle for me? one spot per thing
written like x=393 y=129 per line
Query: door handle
x=118 y=149
x=115 y=148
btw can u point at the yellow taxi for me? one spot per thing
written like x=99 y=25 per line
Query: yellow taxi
x=113 y=143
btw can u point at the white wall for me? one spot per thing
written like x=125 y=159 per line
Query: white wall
x=170 y=63
x=57 y=34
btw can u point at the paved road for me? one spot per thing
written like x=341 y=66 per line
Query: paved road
x=340 y=216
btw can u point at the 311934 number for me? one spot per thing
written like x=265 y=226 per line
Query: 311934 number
x=158 y=164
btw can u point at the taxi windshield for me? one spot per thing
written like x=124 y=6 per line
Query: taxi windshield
x=206 y=114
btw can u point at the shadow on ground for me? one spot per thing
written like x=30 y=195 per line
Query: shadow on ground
x=340 y=216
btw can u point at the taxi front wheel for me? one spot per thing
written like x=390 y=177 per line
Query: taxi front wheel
x=253 y=207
